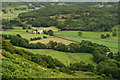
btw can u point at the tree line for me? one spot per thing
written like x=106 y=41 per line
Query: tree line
x=84 y=46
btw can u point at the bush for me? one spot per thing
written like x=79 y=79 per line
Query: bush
x=108 y=35
x=114 y=33
x=44 y=36
x=103 y=36
x=23 y=27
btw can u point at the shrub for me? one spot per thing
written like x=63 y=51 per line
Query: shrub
x=103 y=36
x=44 y=36
x=114 y=33
x=108 y=35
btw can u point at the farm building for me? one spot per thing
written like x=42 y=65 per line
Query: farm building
x=38 y=32
x=107 y=53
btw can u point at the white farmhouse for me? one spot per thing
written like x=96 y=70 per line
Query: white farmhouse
x=40 y=32
x=34 y=32
x=107 y=53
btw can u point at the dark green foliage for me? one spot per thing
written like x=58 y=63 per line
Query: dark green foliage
x=8 y=24
x=4 y=11
x=109 y=68
x=23 y=27
x=114 y=33
x=18 y=35
x=91 y=19
x=61 y=47
x=84 y=46
x=74 y=47
x=110 y=55
x=108 y=35
x=44 y=36
x=50 y=32
x=52 y=45
x=103 y=36
x=65 y=70
x=81 y=67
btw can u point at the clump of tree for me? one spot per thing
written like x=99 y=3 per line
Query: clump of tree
x=103 y=36
x=50 y=32
x=109 y=68
x=9 y=24
x=114 y=33
x=91 y=19
x=44 y=36
x=108 y=35
x=4 y=11
x=81 y=66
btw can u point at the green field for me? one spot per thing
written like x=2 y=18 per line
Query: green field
x=14 y=13
x=111 y=42
x=64 y=57
x=23 y=33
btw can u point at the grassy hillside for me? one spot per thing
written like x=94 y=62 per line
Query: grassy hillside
x=66 y=58
x=23 y=68
x=111 y=42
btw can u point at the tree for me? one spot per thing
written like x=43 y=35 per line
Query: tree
x=108 y=35
x=52 y=44
x=79 y=33
x=4 y=10
x=103 y=36
x=50 y=32
x=114 y=33
x=23 y=27
x=18 y=35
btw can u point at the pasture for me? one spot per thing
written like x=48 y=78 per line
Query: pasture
x=55 y=39
x=47 y=28
x=111 y=42
x=65 y=57
x=23 y=33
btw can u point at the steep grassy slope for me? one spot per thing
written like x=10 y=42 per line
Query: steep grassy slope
x=19 y=67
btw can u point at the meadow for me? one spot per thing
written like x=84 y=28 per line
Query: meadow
x=23 y=33
x=111 y=42
x=65 y=57
x=55 y=39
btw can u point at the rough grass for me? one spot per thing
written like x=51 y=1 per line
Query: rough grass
x=55 y=39
x=64 y=57
x=111 y=42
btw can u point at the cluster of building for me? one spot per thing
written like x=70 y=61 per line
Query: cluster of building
x=38 y=32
